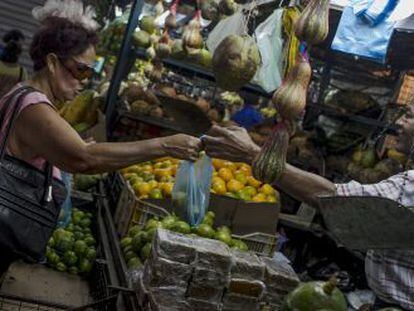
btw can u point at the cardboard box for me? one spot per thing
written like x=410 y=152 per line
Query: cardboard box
x=245 y=217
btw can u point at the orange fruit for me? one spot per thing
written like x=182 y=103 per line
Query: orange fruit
x=174 y=169
x=225 y=174
x=234 y=185
x=230 y=165
x=271 y=199
x=159 y=160
x=267 y=189
x=147 y=168
x=259 y=198
x=215 y=174
x=241 y=178
x=167 y=189
x=244 y=195
x=156 y=194
x=251 y=181
x=245 y=168
x=142 y=189
x=218 y=163
x=162 y=172
x=153 y=184
x=250 y=190
x=218 y=186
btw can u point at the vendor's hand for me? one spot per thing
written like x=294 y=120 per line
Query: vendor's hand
x=231 y=143
x=182 y=146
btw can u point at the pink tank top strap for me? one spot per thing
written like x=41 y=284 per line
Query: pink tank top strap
x=32 y=98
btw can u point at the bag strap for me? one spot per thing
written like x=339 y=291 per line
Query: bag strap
x=21 y=74
x=14 y=102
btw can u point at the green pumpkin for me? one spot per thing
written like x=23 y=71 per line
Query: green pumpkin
x=314 y=296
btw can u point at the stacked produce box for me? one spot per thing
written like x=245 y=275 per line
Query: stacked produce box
x=194 y=273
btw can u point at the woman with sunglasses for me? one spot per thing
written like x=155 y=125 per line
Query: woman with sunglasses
x=63 y=53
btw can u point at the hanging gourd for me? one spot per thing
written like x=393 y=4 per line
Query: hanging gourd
x=270 y=163
x=192 y=39
x=171 y=20
x=290 y=98
x=163 y=49
x=227 y=7
x=312 y=26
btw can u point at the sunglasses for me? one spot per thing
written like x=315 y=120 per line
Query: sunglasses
x=79 y=71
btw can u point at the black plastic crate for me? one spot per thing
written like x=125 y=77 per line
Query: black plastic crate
x=114 y=183
x=104 y=296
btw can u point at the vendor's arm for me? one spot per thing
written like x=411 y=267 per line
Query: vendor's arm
x=41 y=131
x=235 y=144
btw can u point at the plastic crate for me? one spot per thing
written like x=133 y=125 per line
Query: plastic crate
x=143 y=211
x=261 y=243
x=103 y=297
x=114 y=185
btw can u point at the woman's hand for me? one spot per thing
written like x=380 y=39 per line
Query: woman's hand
x=182 y=146
x=232 y=143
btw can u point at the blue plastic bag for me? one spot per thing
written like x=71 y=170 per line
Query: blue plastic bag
x=365 y=30
x=66 y=208
x=191 y=192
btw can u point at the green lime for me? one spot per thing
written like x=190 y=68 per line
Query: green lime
x=208 y=221
x=78 y=235
x=134 y=263
x=146 y=251
x=52 y=258
x=137 y=241
x=60 y=266
x=152 y=223
x=76 y=220
x=168 y=222
x=210 y=214
x=238 y=244
x=129 y=255
x=223 y=237
x=125 y=242
x=85 y=222
x=73 y=270
x=224 y=229
x=181 y=227
x=64 y=243
x=205 y=231
x=133 y=231
x=90 y=241
x=51 y=242
x=80 y=248
x=77 y=228
x=85 y=265
x=90 y=254
x=70 y=258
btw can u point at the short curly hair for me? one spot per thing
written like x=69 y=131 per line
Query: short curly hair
x=62 y=37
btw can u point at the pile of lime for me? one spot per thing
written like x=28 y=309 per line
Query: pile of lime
x=73 y=249
x=136 y=245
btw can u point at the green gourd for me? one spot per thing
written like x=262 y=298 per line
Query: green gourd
x=315 y=296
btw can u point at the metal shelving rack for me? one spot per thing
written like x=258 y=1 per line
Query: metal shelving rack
x=127 y=56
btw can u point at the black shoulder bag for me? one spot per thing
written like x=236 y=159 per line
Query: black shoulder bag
x=30 y=199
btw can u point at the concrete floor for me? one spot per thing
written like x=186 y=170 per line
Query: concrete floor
x=39 y=283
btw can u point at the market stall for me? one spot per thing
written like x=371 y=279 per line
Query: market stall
x=218 y=234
